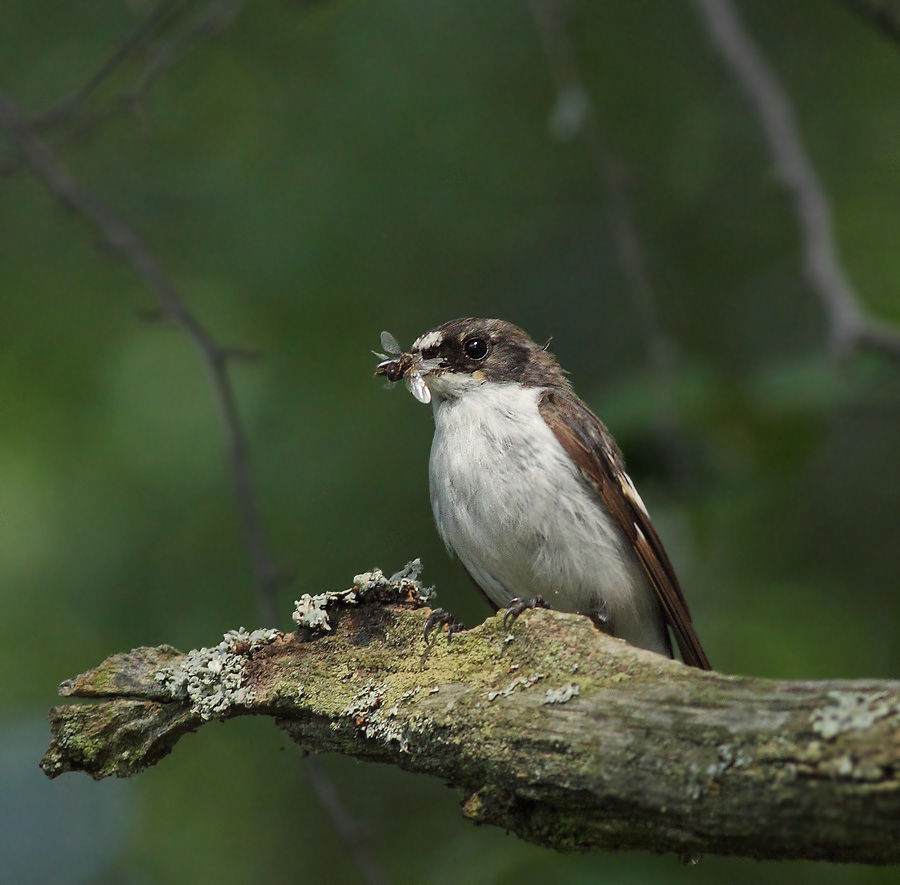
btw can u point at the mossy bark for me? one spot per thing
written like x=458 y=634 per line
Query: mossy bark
x=562 y=735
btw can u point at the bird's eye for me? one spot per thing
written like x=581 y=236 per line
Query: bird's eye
x=476 y=348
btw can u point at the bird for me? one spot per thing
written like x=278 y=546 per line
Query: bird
x=529 y=489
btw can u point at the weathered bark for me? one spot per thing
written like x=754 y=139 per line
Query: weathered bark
x=562 y=735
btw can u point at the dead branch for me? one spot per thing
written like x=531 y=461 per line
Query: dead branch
x=564 y=736
x=575 y=116
x=166 y=34
x=125 y=242
x=884 y=15
x=32 y=151
x=850 y=327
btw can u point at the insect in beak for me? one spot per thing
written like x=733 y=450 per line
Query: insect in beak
x=403 y=366
x=395 y=368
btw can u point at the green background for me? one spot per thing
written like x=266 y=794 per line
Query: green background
x=321 y=172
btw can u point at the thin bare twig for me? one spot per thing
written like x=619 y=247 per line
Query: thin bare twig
x=74 y=119
x=79 y=120
x=151 y=24
x=882 y=14
x=850 y=327
x=575 y=115
x=125 y=242
x=349 y=829
x=212 y=23
x=216 y=358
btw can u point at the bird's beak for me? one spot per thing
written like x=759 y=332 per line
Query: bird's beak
x=411 y=368
x=396 y=368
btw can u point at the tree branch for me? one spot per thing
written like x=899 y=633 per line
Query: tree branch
x=881 y=14
x=575 y=116
x=216 y=357
x=564 y=736
x=850 y=327
x=124 y=241
x=158 y=42
x=133 y=45
x=32 y=151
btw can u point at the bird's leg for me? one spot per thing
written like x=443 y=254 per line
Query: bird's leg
x=600 y=617
x=439 y=617
x=517 y=605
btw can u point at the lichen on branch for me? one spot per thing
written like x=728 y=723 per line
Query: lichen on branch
x=556 y=732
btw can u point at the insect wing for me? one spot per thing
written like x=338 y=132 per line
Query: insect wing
x=389 y=343
x=418 y=388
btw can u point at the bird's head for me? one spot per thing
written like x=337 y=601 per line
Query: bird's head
x=462 y=355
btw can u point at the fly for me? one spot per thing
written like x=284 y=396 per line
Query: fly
x=396 y=366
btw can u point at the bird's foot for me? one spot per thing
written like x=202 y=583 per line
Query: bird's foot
x=441 y=618
x=600 y=617
x=517 y=605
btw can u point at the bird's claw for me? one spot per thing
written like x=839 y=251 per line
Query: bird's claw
x=517 y=605
x=600 y=616
x=439 y=617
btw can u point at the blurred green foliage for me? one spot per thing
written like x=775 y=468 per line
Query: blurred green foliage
x=325 y=171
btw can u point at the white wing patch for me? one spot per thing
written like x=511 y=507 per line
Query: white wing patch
x=632 y=492
x=428 y=341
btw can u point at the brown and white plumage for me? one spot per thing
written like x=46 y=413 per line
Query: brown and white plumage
x=589 y=444
x=530 y=491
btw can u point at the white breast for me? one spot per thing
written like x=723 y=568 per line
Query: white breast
x=510 y=503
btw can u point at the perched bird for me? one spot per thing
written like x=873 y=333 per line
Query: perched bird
x=529 y=489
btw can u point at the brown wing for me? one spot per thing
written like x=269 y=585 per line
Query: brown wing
x=589 y=444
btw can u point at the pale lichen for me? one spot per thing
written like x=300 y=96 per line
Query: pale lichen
x=366 y=713
x=211 y=678
x=515 y=685
x=706 y=779
x=562 y=694
x=852 y=711
x=312 y=610
x=729 y=757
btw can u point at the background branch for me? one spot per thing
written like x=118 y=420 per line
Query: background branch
x=333 y=167
x=216 y=357
x=125 y=242
x=133 y=45
x=575 y=117
x=849 y=325
x=163 y=37
x=884 y=15
x=558 y=733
